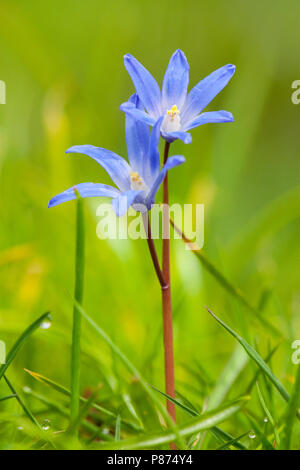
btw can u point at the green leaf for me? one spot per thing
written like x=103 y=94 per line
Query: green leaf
x=61 y=389
x=223 y=281
x=292 y=410
x=232 y=442
x=118 y=428
x=255 y=357
x=219 y=433
x=267 y=412
x=21 y=340
x=206 y=421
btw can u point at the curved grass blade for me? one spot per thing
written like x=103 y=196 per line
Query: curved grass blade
x=192 y=412
x=83 y=412
x=22 y=404
x=268 y=414
x=8 y=397
x=223 y=281
x=21 y=340
x=292 y=410
x=87 y=425
x=206 y=421
x=118 y=428
x=63 y=390
x=255 y=357
x=133 y=370
x=232 y=442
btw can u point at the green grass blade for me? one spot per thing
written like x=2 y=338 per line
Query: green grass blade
x=192 y=412
x=224 y=282
x=63 y=390
x=8 y=397
x=292 y=409
x=206 y=421
x=87 y=425
x=118 y=429
x=232 y=442
x=255 y=357
x=22 y=404
x=21 y=340
x=83 y=413
x=232 y=370
x=268 y=414
x=132 y=369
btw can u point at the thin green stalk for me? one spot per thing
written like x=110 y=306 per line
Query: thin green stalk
x=22 y=404
x=78 y=294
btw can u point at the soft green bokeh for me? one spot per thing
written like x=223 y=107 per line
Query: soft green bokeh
x=62 y=63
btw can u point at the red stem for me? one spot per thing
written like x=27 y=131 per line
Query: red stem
x=166 y=298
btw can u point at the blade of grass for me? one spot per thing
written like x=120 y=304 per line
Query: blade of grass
x=132 y=369
x=118 y=428
x=192 y=412
x=267 y=412
x=87 y=425
x=232 y=442
x=223 y=281
x=256 y=358
x=61 y=389
x=206 y=421
x=22 y=404
x=21 y=340
x=8 y=397
x=265 y=442
x=83 y=412
x=292 y=409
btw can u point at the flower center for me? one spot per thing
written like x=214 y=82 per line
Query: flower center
x=171 y=122
x=136 y=182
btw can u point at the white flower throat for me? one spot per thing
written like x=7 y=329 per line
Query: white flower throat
x=171 y=122
x=137 y=183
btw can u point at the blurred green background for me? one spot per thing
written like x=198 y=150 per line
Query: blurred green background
x=62 y=63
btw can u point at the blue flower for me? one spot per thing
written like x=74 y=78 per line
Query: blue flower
x=138 y=181
x=181 y=111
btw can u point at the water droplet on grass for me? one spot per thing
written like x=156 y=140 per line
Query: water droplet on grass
x=46 y=424
x=252 y=435
x=46 y=324
x=266 y=420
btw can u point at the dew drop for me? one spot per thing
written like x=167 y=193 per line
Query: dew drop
x=252 y=435
x=266 y=420
x=26 y=389
x=46 y=424
x=45 y=325
x=20 y=428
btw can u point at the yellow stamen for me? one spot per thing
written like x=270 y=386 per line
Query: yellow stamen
x=173 y=111
x=135 y=177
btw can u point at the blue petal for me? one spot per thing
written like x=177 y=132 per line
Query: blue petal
x=123 y=201
x=137 y=138
x=137 y=114
x=152 y=162
x=203 y=93
x=181 y=135
x=145 y=85
x=117 y=168
x=214 y=116
x=171 y=163
x=176 y=80
x=85 y=190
